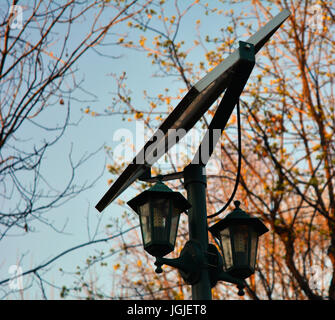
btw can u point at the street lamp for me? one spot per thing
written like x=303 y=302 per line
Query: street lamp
x=159 y=209
x=238 y=236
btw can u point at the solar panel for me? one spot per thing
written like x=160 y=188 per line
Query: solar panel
x=187 y=113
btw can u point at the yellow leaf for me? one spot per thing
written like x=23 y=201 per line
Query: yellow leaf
x=116 y=266
x=153 y=105
x=142 y=41
x=232 y=119
x=138 y=115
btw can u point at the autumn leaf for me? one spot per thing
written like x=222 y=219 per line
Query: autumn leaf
x=138 y=115
x=116 y=266
x=142 y=41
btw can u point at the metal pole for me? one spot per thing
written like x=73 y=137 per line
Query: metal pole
x=195 y=184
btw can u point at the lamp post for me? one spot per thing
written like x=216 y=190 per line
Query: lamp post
x=195 y=184
x=200 y=263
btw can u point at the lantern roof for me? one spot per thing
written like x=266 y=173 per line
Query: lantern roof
x=159 y=190
x=160 y=187
x=238 y=216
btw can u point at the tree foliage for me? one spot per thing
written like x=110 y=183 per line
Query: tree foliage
x=38 y=64
x=288 y=166
x=42 y=43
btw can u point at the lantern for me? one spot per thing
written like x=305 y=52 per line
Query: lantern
x=238 y=235
x=159 y=209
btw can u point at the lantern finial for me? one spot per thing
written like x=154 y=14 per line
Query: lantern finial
x=237 y=204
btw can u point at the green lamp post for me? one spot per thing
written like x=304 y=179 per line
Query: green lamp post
x=159 y=209
x=200 y=263
x=238 y=235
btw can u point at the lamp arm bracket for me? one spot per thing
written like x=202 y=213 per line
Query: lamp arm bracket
x=224 y=276
x=189 y=263
x=162 y=177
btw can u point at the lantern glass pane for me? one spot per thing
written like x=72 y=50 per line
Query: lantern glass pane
x=226 y=248
x=160 y=216
x=241 y=235
x=174 y=225
x=145 y=222
x=253 y=249
x=241 y=238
